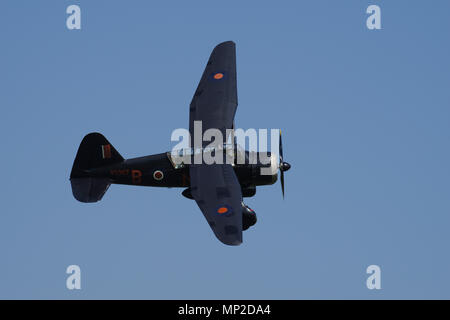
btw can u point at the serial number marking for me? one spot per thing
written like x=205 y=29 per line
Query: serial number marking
x=120 y=172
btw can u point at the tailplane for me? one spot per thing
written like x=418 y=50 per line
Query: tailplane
x=94 y=152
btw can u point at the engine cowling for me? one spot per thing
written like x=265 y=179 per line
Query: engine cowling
x=248 y=217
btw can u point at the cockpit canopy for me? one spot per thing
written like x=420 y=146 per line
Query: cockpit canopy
x=232 y=154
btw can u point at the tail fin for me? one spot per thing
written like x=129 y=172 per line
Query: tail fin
x=94 y=152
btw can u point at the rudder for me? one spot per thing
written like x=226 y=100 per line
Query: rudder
x=95 y=151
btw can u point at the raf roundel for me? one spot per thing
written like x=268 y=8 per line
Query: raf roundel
x=218 y=75
x=224 y=210
x=158 y=175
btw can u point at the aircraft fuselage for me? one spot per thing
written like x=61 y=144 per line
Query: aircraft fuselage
x=158 y=171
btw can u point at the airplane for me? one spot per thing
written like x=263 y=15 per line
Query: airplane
x=218 y=189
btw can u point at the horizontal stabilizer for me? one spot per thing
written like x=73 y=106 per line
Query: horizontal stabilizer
x=89 y=189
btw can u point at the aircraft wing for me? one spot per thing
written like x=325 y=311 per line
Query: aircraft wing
x=215 y=100
x=217 y=192
x=215 y=187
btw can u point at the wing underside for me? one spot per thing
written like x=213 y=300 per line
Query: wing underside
x=215 y=100
x=215 y=187
x=217 y=192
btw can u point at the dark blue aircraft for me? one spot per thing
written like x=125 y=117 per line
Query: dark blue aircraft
x=218 y=189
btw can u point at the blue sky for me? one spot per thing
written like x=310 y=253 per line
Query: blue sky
x=365 y=119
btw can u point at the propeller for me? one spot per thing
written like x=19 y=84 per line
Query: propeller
x=284 y=166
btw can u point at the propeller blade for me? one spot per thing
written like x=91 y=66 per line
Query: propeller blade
x=281 y=149
x=281 y=165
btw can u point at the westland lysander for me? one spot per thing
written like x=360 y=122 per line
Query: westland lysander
x=217 y=188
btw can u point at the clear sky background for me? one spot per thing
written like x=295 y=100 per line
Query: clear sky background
x=365 y=119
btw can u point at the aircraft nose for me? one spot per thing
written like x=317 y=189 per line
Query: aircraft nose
x=285 y=166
